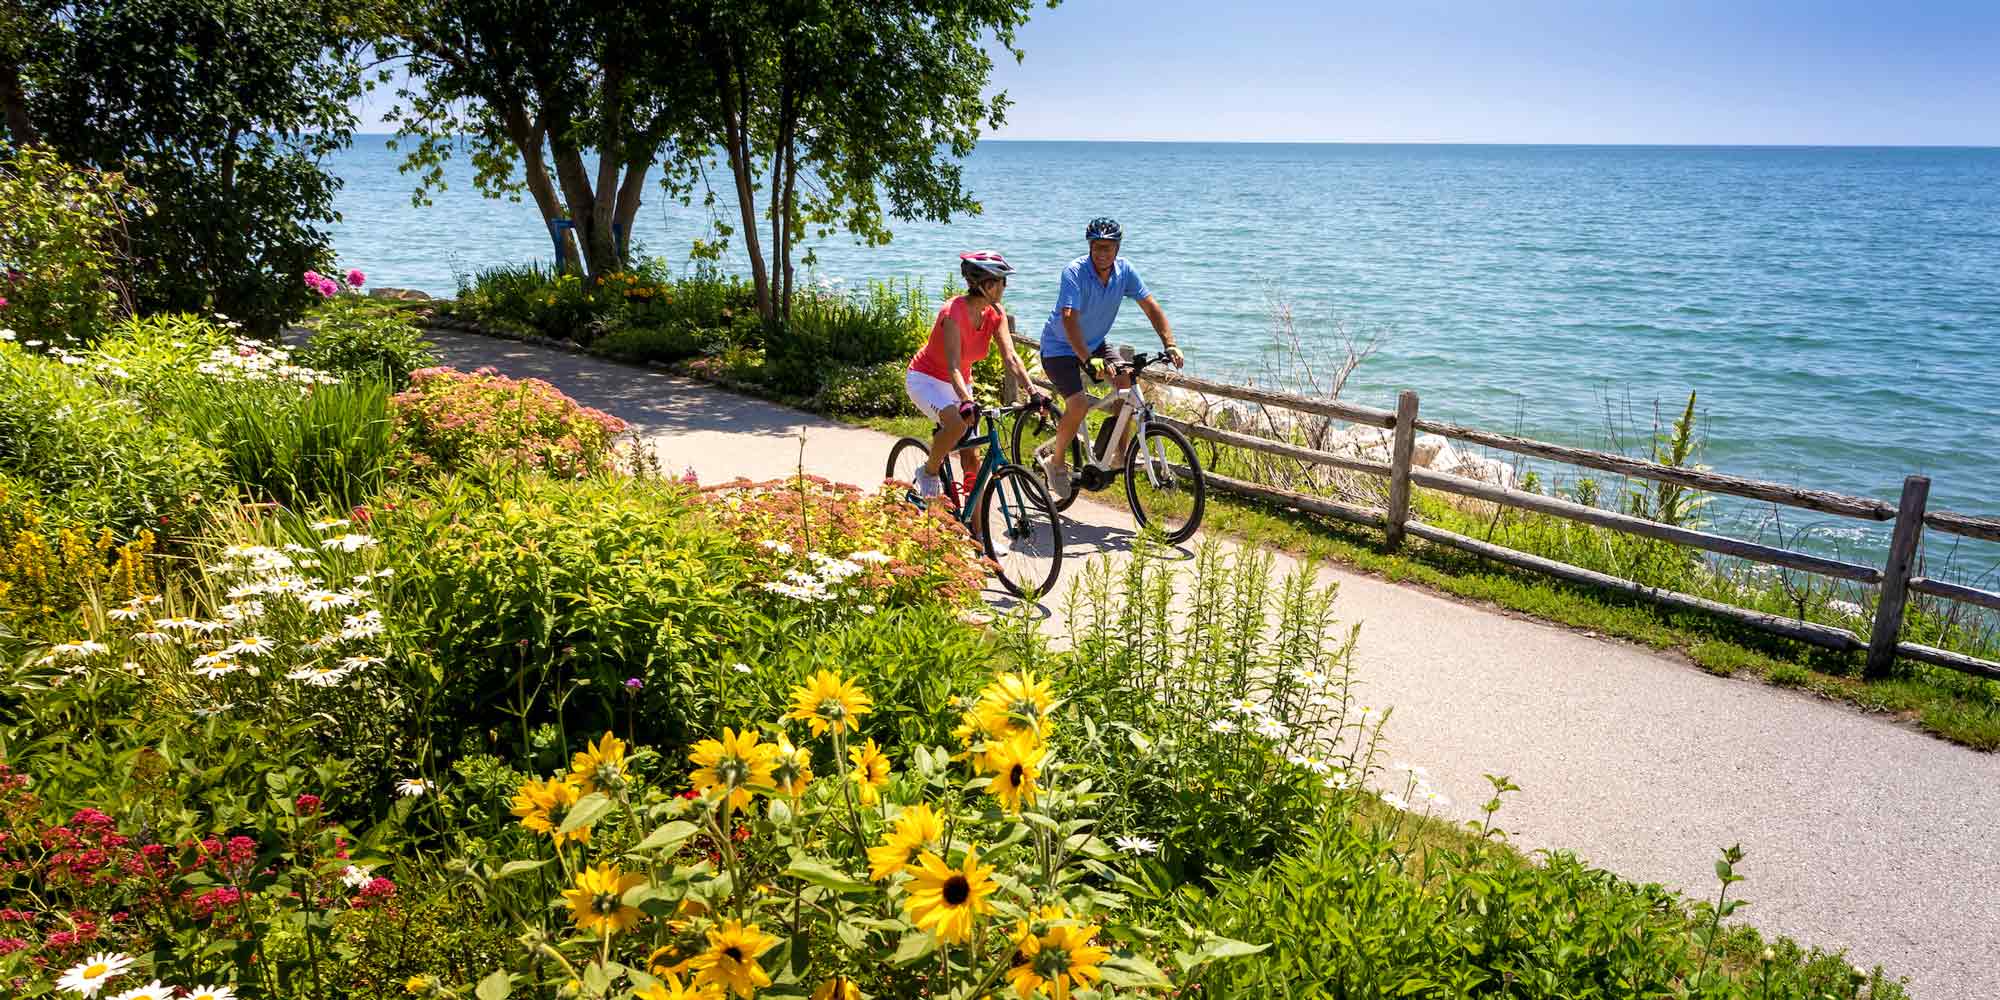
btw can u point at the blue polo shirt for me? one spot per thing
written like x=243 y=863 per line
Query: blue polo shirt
x=1096 y=304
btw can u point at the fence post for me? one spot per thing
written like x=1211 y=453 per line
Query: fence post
x=1399 y=468
x=1896 y=576
x=1009 y=392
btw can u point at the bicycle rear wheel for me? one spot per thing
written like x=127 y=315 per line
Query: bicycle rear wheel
x=1032 y=429
x=907 y=458
x=1163 y=481
x=1021 y=531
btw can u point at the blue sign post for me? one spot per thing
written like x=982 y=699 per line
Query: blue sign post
x=557 y=228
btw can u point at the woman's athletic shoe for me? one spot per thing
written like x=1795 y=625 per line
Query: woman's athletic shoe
x=928 y=484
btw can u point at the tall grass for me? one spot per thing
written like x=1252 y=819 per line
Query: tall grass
x=332 y=444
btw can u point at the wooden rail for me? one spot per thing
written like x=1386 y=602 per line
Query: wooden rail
x=1897 y=578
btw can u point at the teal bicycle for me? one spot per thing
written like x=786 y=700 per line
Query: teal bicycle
x=1007 y=510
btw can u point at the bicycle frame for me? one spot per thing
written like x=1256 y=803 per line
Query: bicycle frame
x=1132 y=409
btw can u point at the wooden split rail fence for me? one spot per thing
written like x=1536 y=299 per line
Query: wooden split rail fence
x=1895 y=578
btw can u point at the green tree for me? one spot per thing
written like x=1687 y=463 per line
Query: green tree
x=845 y=107
x=222 y=110
x=535 y=90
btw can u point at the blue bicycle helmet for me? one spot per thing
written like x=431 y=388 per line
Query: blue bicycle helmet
x=1103 y=228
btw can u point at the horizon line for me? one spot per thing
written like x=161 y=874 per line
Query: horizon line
x=1460 y=142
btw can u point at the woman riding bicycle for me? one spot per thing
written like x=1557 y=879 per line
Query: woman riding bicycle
x=939 y=380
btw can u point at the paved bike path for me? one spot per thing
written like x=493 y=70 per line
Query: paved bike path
x=1861 y=833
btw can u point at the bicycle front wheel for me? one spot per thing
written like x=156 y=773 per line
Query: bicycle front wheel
x=1032 y=429
x=1163 y=481
x=907 y=458
x=1021 y=531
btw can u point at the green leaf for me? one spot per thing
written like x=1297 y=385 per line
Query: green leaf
x=495 y=986
x=667 y=838
x=587 y=810
x=513 y=868
x=1134 y=972
x=1222 y=947
x=915 y=946
x=820 y=873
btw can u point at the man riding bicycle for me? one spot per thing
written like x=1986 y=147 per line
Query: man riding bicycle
x=939 y=380
x=1093 y=287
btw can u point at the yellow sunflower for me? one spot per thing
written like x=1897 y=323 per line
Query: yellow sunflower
x=829 y=702
x=915 y=827
x=1062 y=957
x=672 y=989
x=1016 y=702
x=871 y=771
x=541 y=806
x=731 y=959
x=945 y=900
x=596 y=905
x=793 y=771
x=1015 y=763
x=837 y=988
x=600 y=768
x=735 y=764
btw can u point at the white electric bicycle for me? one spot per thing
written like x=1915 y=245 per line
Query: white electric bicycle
x=1163 y=479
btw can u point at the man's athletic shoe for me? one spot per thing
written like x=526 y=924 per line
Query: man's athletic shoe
x=928 y=484
x=1056 y=474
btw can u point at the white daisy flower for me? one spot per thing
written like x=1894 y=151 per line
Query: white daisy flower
x=123 y=614
x=212 y=993
x=1272 y=729
x=217 y=670
x=382 y=574
x=1137 y=845
x=875 y=556
x=180 y=623
x=355 y=876
x=253 y=645
x=240 y=592
x=308 y=562
x=741 y=668
x=411 y=788
x=240 y=612
x=91 y=975
x=320 y=644
x=1223 y=725
x=319 y=676
x=324 y=600
x=866 y=609
x=1431 y=797
x=347 y=543
x=1337 y=782
x=1312 y=678
x=361 y=661
x=331 y=523
x=776 y=546
x=206 y=627
x=1370 y=716
x=294 y=548
x=1247 y=706
x=150 y=991
x=1396 y=802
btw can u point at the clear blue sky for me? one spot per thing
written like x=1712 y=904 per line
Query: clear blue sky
x=1837 y=72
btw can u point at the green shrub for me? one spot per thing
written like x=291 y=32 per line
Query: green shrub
x=58 y=258
x=450 y=421
x=354 y=337
x=95 y=454
x=675 y=342
x=332 y=444
x=1225 y=710
x=1383 y=905
x=865 y=391
x=824 y=330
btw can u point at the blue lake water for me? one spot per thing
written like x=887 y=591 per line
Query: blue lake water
x=1836 y=309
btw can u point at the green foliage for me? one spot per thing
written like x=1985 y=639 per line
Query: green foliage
x=825 y=330
x=226 y=127
x=354 y=337
x=60 y=265
x=865 y=391
x=1386 y=905
x=97 y=458
x=1223 y=710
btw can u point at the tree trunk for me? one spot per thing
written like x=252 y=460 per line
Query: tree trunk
x=782 y=165
x=15 y=103
x=528 y=138
x=629 y=193
x=736 y=138
x=604 y=253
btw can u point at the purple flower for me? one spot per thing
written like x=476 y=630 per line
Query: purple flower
x=634 y=683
